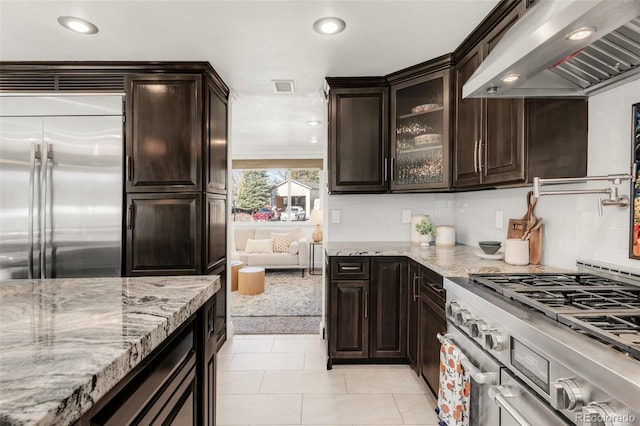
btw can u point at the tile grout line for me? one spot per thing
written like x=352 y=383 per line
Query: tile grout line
x=261 y=382
x=398 y=408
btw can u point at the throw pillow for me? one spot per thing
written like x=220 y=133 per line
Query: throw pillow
x=259 y=246
x=281 y=242
x=293 y=248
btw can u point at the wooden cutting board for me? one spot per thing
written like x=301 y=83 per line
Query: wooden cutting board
x=535 y=246
x=518 y=227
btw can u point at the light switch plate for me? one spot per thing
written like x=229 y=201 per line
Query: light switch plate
x=335 y=216
x=406 y=216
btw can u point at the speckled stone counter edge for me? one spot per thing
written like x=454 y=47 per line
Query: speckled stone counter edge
x=455 y=261
x=71 y=408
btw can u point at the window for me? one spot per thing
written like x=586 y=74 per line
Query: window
x=275 y=195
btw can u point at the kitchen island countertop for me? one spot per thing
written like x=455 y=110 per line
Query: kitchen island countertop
x=65 y=342
x=456 y=261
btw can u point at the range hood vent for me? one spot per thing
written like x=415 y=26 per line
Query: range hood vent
x=537 y=49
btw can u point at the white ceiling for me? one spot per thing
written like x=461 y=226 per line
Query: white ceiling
x=250 y=43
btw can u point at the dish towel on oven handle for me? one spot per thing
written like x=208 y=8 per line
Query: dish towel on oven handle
x=455 y=386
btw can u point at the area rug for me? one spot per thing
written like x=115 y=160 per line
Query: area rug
x=290 y=304
x=276 y=325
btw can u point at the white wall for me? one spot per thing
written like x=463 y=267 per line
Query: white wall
x=573 y=230
x=378 y=217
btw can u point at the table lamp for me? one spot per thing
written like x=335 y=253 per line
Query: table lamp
x=316 y=217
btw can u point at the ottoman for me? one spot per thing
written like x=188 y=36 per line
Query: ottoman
x=235 y=267
x=251 y=280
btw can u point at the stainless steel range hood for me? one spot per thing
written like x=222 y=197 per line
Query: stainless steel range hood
x=537 y=49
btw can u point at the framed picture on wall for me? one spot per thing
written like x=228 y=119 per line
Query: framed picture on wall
x=634 y=246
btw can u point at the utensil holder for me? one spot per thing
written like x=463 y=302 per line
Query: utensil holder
x=516 y=251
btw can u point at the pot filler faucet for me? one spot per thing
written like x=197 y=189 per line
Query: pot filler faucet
x=614 y=199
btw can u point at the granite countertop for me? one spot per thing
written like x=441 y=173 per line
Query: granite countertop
x=65 y=342
x=456 y=261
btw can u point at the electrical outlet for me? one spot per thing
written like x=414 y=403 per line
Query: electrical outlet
x=406 y=216
x=335 y=216
x=499 y=219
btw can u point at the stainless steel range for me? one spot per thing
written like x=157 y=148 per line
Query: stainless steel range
x=568 y=344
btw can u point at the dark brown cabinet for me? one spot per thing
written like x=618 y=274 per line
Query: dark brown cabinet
x=349 y=319
x=358 y=135
x=216 y=149
x=207 y=364
x=501 y=141
x=215 y=249
x=413 y=338
x=420 y=132
x=432 y=321
x=366 y=308
x=489 y=144
x=163 y=234
x=174 y=385
x=388 y=311
x=163 y=133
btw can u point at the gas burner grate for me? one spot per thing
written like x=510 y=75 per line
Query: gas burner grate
x=582 y=299
x=501 y=281
x=620 y=329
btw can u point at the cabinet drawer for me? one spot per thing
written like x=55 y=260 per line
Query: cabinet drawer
x=350 y=268
x=431 y=286
x=140 y=396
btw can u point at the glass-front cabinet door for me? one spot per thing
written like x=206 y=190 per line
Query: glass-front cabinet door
x=420 y=133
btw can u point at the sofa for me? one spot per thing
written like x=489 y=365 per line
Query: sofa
x=270 y=248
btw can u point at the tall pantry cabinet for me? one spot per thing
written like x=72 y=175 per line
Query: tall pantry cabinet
x=176 y=177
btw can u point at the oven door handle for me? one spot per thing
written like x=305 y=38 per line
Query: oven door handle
x=500 y=395
x=475 y=373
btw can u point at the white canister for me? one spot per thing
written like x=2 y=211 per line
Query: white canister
x=516 y=251
x=445 y=235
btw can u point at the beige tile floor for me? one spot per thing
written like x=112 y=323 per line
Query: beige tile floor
x=282 y=380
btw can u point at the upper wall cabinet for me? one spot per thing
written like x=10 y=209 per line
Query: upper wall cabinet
x=216 y=141
x=358 y=135
x=509 y=141
x=164 y=132
x=420 y=133
x=489 y=144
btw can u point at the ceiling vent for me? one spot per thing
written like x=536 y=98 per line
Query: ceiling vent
x=283 y=86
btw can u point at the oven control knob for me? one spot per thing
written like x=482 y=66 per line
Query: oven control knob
x=462 y=317
x=566 y=395
x=477 y=327
x=493 y=340
x=452 y=308
x=598 y=414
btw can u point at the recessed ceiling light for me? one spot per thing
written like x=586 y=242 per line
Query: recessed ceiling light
x=510 y=78
x=329 y=25
x=581 y=33
x=313 y=140
x=78 y=25
x=313 y=123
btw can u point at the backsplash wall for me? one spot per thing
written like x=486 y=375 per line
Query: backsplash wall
x=572 y=228
x=378 y=217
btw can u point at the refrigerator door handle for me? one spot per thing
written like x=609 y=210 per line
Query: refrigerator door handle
x=33 y=163
x=44 y=186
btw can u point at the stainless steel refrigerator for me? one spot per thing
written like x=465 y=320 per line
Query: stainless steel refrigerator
x=60 y=186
